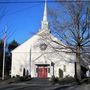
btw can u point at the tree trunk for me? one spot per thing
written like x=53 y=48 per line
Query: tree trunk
x=78 y=71
x=78 y=66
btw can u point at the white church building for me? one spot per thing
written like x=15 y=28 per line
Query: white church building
x=38 y=56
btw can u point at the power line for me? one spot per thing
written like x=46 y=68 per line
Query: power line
x=40 y=1
x=11 y=34
x=23 y=9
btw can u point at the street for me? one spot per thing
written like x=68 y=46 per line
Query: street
x=34 y=84
x=24 y=86
x=76 y=87
x=42 y=84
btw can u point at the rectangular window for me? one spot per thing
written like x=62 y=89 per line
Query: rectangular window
x=48 y=70
x=64 y=68
x=36 y=70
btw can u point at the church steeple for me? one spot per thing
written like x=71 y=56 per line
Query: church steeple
x=44 y=24
x=45 y=12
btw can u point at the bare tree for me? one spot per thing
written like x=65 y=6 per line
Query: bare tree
x=75 y=32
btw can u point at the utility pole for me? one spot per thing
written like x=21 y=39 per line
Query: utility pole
x=30 y=61
x=4 y=54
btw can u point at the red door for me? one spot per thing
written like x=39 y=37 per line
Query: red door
x=42 y=72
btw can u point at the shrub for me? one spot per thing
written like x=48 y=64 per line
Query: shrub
x=25 y=78
x=17 y=76
x=13 y=77
x=54 y=79
x=7 y=77
x=67 y=80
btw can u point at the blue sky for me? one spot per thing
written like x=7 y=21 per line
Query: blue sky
x=22 y=20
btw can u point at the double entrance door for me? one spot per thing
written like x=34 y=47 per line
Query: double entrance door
x=42 y=72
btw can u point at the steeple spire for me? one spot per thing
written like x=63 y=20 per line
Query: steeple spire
x=44 y=26
x=45 y=12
